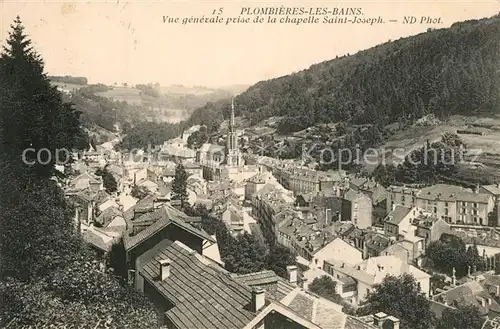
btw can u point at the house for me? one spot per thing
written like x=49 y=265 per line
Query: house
x=372 y=271
x=493 y=190
x=375 y=191
x=401 y=195
x=305 y=236
x=430 y=227
x=85 y=205
x=256 y=183
x=165 y=222
x=193 y=168
x=470 y=293
x=357 y=208
x=87 y=180
x=339 y=250
x=233 y=218
x=452 y=203
x=151 y=186
x=190 y=291
x=397 y=222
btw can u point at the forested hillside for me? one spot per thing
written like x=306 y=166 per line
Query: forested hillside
x=445 y=71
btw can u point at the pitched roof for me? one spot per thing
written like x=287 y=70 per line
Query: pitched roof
x=467 y=294
x=160 y=219
x=321 y=312
x=274 y=285
x=397 y=215
x=493 y=189
x=204 y=296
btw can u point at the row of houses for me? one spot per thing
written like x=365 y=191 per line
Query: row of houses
x=454 y=204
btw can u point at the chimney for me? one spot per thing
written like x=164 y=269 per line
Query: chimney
x=379 y=319
x=292 y=273
x=394 y=321
x=393 y=207
x=258 y=299
x=165 y=265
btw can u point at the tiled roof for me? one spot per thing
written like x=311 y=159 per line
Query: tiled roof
x=493 y=189
x=473 y=197
x=397 y=215
x=204 y=297
x=353 y=195
x=357 y=323
x=161 y=218
x=467 y=294
x=276 y=287
x=323 y=313
x=442 y=192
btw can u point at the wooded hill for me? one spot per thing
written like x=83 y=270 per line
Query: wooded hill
x=447 y=71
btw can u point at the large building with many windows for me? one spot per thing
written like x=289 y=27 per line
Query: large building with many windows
x=454 y=204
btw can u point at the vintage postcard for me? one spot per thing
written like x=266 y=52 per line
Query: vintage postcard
x=223 y=164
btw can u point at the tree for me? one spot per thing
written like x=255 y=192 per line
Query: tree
x=108 y=179
x=34 y=118
x=401 y=297
x=438 y=281
x=465 y=317
x=450 y=252
x=244 y=254
x=139 y=192
x=278 y=258
x=31 y=248
x=47 y=273
x=80 y=294
x=179 y=184
x=325 y=287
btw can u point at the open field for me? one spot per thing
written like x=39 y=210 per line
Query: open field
x=487 y=145
x=130 y=95
x=68 y=86
x=181 y=90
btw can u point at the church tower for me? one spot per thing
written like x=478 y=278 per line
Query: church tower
x=233 y=152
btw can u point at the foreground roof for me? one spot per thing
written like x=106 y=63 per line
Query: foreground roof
x=160 y=219
x=204 y=296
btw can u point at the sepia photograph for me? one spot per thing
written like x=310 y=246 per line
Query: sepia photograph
x=224 y=164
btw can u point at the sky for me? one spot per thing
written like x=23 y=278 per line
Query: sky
x=117 y=41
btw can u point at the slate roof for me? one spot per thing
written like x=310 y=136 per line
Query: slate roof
x=160 y=219
x=397 y=215
x=323 y=313
x=204 y=296
x=467 y=294
x=276 y=287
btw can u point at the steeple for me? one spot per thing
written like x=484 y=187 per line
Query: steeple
x=232 y=150
x=231 y=122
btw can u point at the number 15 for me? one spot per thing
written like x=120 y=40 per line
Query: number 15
x=218 y=12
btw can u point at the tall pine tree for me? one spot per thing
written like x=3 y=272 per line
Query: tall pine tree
x=179 y=185
x=34 y=119
x=47 y=275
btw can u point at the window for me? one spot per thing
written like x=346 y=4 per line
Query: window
x=435 y=210
x=446 y=211
x=474 y=211
x=464 y=211
x=475 y=205
x=403 y=198
x=413 y=199
x=464 y=203
x=446 y=204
